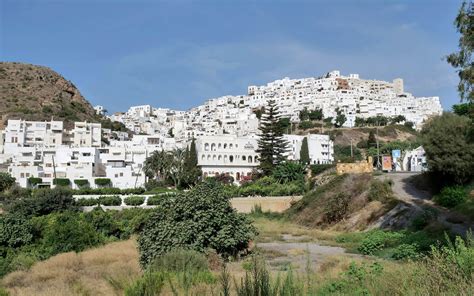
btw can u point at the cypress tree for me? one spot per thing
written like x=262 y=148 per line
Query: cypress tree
x=271 y=145
x=304 y=152
x=192 y=171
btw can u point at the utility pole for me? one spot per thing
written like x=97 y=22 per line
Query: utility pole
x=54 y=167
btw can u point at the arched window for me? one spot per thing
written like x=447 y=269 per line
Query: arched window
x=208 y=157
x=230 y=145
x=237 y=177
x=206 y=147
x=231 y=158
x=250 y=159
x=213 y=147
x=203 y=157
x=225 y=158
x=244 y=158
x=219 y=158
x=219 y=146
x=225 y=145
x=255 y=158
x=214 y=157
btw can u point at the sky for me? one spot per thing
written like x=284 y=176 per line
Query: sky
x=177 y=54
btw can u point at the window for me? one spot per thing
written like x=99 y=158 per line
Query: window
x=250 y=159
x=121 y=174
x=231 y=158
x=244 y=158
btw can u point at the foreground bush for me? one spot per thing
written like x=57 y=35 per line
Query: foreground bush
x=451 y=196
x=181 y=269
x=199 y=219
x=43 y=202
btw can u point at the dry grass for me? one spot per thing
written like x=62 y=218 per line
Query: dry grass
x=273 y=230
x=100 y=271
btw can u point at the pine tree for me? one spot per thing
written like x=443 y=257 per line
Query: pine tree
x=304 y=152
x=271 y=145
x=372 y=141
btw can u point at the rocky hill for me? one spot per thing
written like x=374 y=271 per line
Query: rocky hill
x=38 y=93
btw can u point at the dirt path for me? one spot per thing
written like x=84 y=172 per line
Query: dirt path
x=406 y=191
x=299 y=253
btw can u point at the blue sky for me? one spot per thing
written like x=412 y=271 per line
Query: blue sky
x=178 y=53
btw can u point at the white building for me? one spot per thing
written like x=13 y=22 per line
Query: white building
x=227 y=154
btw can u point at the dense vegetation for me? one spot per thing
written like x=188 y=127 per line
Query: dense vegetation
x=200 y=219
x=49 y=222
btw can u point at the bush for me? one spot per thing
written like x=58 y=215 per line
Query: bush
x=34 y=181
x=102 y=182
x=451 y=196
x=154 y=200
x=377 y=240
x=15 y=231
x=87 y=202
x=61 y=182
x=199 y=219
x=288 y=171
x=406 y=251
x=150 y=284
x=110 y=200
x=65 y=232
x=81 y=182
x=6 y=181
x=43 y=202
x=134 y=200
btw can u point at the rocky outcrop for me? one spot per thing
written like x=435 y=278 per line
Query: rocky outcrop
x=38 y=93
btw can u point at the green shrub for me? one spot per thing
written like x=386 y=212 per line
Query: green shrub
x=154 y=200
x=150 y=284
x=110 y=200
x=6 y=181
x=199 y=219
x=15 y=231
x=377 y=240
x=406 y=251
x=180 y=260
x=87 y=202
x=65 y=232
x=34 y=181
x=451 y=196
x=102 y=182
x=81 y=182
x=43 y=202
x=288 y=171
x=134 y=200
x=61 y=182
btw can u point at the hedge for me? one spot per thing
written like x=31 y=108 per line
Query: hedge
x=61 y=182
x=88 y=202
x=34 y=181
x=110 y=200
x=102 y=181
x=153 y=200
x=134 y=200
x=81 y=182
x=108 y=190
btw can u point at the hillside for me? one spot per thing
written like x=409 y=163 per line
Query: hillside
x=38 y=93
